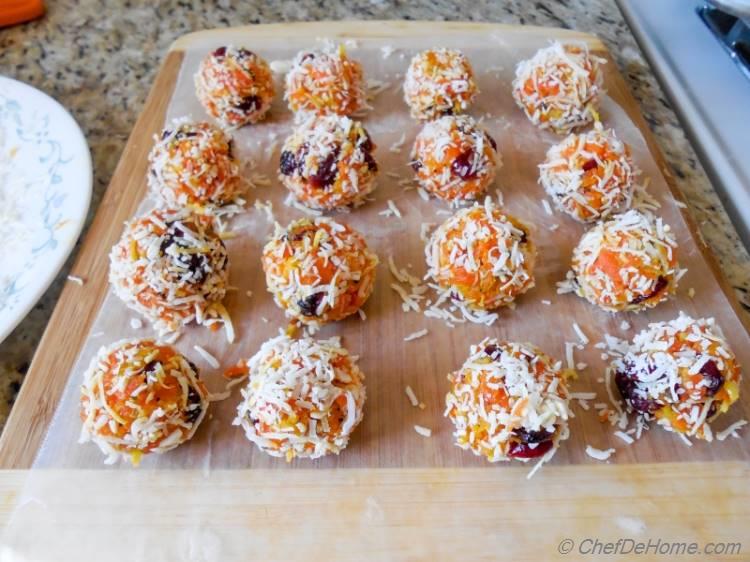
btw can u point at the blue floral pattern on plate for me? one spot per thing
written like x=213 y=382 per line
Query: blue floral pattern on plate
x=45 y=191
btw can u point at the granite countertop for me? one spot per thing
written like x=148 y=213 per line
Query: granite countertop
x=99 y=58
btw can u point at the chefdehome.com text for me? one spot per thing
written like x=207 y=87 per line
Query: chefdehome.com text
x=649 y=547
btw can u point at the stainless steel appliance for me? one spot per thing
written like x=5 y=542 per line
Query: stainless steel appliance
x=700 y=52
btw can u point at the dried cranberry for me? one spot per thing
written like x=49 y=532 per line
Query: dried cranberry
x=627 y=384
x=249 y=103
x=327 y=171
x=183 y=134
x=371 y=163
x=307 y=56
x=288 y=163
x=492 y=350
x=462 y=165
x=524 y=236
x=491 y=141
x=531 y=436
x=366 y=144
x=524 y=450
x=169 y=238
x=713 y=377
x=197 y=264
x=193 y=398
x=243 y=53
x=660 y=284
x=309 y=305
x=711 y=410
x=415 y=165
x=220 y=52
x=589 y=165
x=151 y=367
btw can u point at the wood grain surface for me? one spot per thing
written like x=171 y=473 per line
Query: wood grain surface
x=78 y=306
x=385 y=514
x=461 y=505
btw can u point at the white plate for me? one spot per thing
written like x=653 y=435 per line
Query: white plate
x=45 y=191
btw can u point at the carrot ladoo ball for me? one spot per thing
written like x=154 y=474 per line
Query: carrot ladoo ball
x=235 y=86
x=304 y=398
x=327 y=163
x=681 y=373
x=325 y=82
x=192 y=165
x=509 y=401
x=454 y=158
x=140 y=397
x=319 y=270
x=483 y=256
x=439 y=82
x=628 y=262
x=559 y=87
x=590 y=175
x=171 y=267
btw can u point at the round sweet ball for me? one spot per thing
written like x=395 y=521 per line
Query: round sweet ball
x=439 y=82
x=590 y=175
x=140 y=397
x=172 y=268
x=304 y=398
x=455 y=159
x=319 y=270
x=235 y=86
x=328 y=163
x=482 y=257
x=193 y=165
x=509 y=401
x=324 y=82
x=559 y=87
x=681 y=373
x=627 y=263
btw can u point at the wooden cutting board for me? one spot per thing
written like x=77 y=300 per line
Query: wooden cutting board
x=656 y=486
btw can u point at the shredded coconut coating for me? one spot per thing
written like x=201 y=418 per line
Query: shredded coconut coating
x=325 y=82
x=628 y=262
x=439 y=82
x=304 y=398
x=171 y=267
x=192 y=165
x=140 y=397
x=589 y=175
x=319 y=270
x=484 y=256
x=681 y=373
x=454 y=158
x=235 y=86
x=327 y=163
x=559 y=87
x=509 y=401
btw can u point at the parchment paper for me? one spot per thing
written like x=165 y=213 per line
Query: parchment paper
x=386 y=437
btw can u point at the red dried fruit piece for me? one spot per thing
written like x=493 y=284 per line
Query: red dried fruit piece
x=589 y=165
x=713 y=377
x=660 y=284
x=462 y=165
x=326 y=172
x=524 y=450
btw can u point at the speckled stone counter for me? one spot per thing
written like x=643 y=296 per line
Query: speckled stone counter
x=99 y=58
